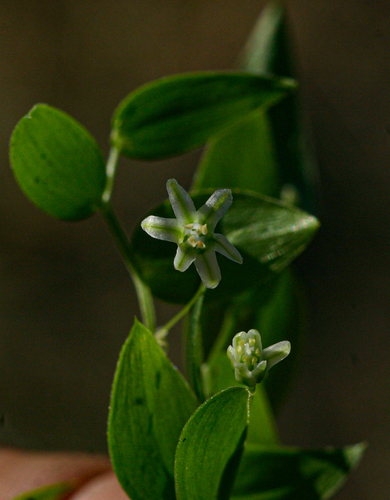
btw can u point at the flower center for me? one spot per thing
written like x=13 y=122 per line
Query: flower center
x=249 y=353
x=195 y=235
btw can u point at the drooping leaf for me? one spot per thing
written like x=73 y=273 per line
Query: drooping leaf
x=178 y=113
x=56 y=491
x=150 y=403
x=282 y=473
x=210 y=447
x=268 y=234
x=242 y=157
x=57 y=163
x=270 y=51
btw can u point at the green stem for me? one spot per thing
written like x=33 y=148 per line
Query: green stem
x=267 y=433
x=122 y=242
x=163 y=331
x=226 y=333
x=111 y=165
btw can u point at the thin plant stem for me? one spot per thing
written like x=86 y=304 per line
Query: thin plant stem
x=163 y=331
x=225 y=335
x=111 y=166
x=144 y=294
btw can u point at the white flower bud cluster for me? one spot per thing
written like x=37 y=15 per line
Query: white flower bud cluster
x=250 y=362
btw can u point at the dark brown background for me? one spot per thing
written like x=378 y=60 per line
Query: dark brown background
x=65 y=299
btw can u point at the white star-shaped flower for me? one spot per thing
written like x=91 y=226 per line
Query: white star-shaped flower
x=193 y=232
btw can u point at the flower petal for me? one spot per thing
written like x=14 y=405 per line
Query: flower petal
x=215 y=208
x=207 y=266
x=254 y=334
x=243 y=375
x=181 y=202
x=224 y=247
x=275 y=353
x=184 y=259
x=260 y=371
x=162 y=229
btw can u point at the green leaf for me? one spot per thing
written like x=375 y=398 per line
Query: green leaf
x=210 y=447
x=57 y=163
x=262 y=428
x=56 y=491
x=241 y=157
x=283 y=317
x=268 y=234
x=269 y=51
x=282 y=473
x=178 y=113
x=150 y=403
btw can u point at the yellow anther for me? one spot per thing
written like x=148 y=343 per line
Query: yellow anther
x=258 y=352
x=239 y=350
x=203 y=229
x=254 y=360
x=241 y=342
x=188 y=226
x=192 y=241
x=201 y=245
x=252 y=342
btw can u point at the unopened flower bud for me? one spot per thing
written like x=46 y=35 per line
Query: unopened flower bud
x=250 y=362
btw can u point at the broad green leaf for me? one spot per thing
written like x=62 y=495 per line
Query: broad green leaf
x=150 y=403
x=282 y=473
x=272 y=233
x=268 y=234
x=269 y=51
x=57 y=163
x=58 y=491
x=181 y=112
x=219 y=376
x=194 y=350
x=210 y=447
x=241 y=157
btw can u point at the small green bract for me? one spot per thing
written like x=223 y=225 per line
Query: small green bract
x=193 y=232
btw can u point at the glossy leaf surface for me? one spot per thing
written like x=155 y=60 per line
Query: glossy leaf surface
x=178 y=113
x=210 y=447
x=150 y=404
x=57 y=163
x=268 y=234
x=282 y=473
x=242 y=157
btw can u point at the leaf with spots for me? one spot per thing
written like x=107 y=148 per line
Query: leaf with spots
x=150 y=404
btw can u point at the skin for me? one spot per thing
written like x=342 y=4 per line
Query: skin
x=21 y=471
